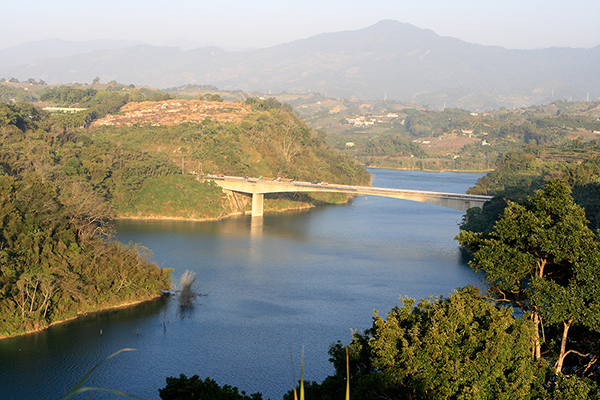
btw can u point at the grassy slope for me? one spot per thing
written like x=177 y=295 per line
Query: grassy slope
x=265 y=143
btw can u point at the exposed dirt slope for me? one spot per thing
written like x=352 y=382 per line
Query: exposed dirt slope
x=174 y=112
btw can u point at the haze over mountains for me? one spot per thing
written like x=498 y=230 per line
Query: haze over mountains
x=389 y=60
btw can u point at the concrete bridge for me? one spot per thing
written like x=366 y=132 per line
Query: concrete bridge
x=257 y=187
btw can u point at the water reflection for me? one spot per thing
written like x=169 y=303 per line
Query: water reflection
x=286 y=225
x=256 y=226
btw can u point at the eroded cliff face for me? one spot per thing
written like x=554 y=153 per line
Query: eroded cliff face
x=174 y=112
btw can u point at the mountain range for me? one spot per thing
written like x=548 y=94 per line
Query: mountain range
x=388 y=60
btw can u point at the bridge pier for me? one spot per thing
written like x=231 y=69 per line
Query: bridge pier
x=257 y=204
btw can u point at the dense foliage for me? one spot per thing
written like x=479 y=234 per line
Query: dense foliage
x=519 y=173
x=115 y=174
x=152 y=171
x=193 y=388
x=69 y=95
x=53 y=262
x=533 y=336
x=11 y=94
x=455 y=348
x=542 y=258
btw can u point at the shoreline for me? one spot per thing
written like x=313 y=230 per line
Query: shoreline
x=165 y=218
x=432 y=170
x=133 y=303
x=233 y=214
x=306 y=207
x=123 y=305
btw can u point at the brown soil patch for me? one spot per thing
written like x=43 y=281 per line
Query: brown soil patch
x=174 y=112
x=448 y=144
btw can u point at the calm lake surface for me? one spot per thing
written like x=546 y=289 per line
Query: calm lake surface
x=299 y=279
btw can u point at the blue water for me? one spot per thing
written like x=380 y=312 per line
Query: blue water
x=299 y=280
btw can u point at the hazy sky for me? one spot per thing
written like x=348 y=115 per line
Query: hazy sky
x=514 y=24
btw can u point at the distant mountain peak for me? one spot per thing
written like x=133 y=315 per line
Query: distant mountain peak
x=389 y=59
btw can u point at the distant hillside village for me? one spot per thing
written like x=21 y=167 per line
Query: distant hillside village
x=361 y=120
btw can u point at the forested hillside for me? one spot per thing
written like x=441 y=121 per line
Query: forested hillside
x=395 y=135
x=61 y=184
x=519 y=173
x=55 y=259
x=149 y=168
x=56 y=256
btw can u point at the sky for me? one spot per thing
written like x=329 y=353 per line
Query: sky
x=237 y=24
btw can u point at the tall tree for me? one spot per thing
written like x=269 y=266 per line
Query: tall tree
x=543 y=258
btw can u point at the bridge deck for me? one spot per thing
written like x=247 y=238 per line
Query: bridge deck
x=258 y=187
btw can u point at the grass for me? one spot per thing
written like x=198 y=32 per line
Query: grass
x=302 y=375
x=78 y=389
x=174 y=196
x=188 y=291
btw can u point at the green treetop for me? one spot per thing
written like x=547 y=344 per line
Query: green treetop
x=543 y=258
x=462 y=347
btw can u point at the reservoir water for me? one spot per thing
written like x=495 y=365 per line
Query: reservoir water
x=300 y=279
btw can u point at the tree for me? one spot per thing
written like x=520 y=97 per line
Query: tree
x=53 y=262
x=542 y=258
x=137 y=96
x=193 y=388
x=210 y=97
x=459 y=347
x=158 y=95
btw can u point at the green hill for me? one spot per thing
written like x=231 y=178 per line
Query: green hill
x=61 y=185
x=519 y=173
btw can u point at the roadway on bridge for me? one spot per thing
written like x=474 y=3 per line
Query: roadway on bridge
x=260 y=186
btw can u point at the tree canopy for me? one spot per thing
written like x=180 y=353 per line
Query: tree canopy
x=542 y=258
x=193 y=388
x=53 y=260
x=462 y=347
x=533 y=335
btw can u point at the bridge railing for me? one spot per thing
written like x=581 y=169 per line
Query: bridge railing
x=348 y=188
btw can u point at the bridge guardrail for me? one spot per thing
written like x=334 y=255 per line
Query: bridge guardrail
x=349 y=188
